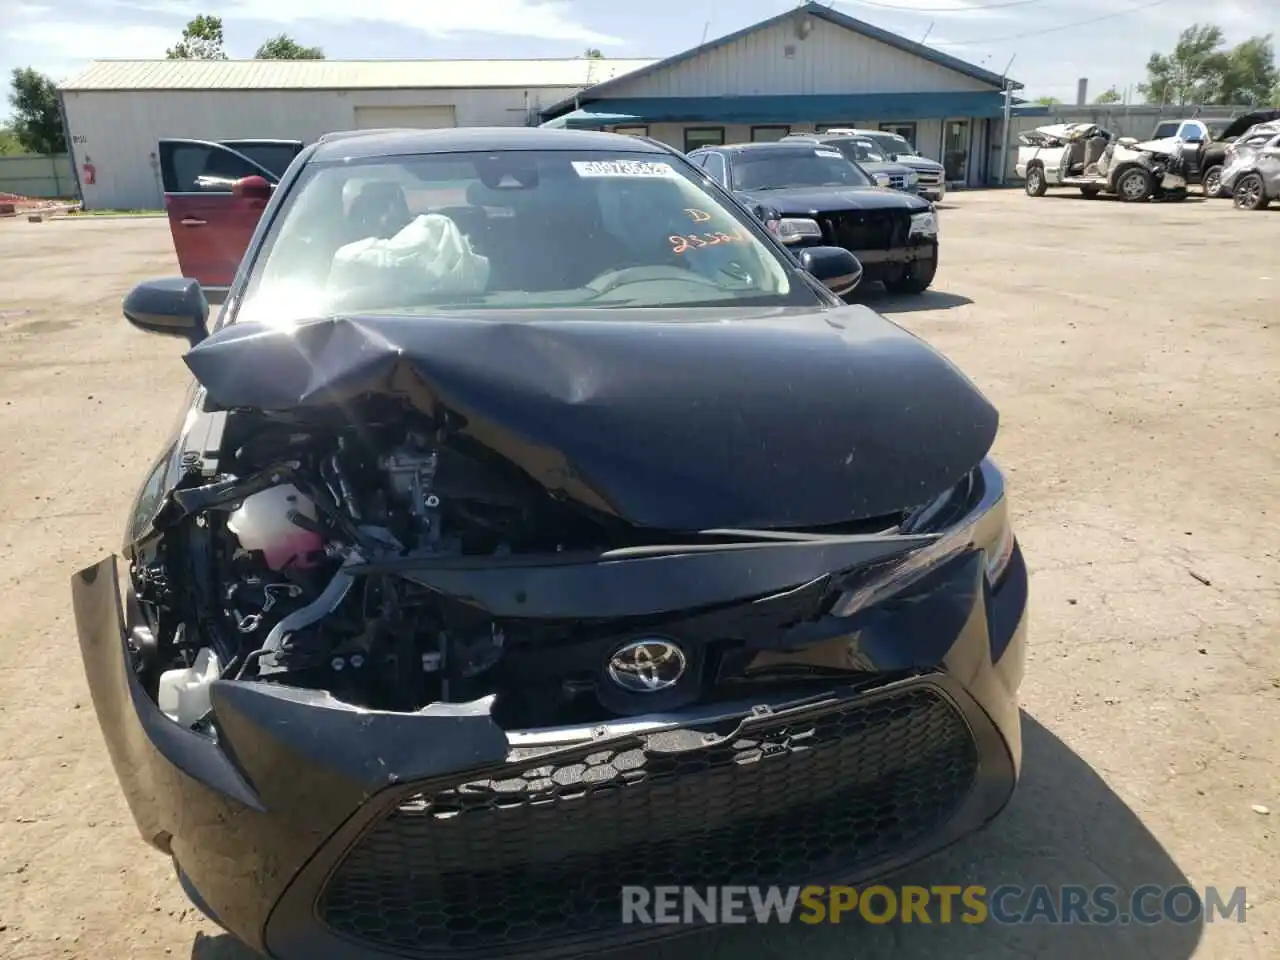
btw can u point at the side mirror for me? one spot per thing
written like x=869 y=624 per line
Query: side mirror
x=834 y=266
x=252 y=188
x=765 y=215
x=174 y=307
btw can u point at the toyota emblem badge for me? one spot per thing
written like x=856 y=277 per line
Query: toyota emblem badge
x=647 y=665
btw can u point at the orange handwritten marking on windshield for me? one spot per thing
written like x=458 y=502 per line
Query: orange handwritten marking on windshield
x=695 y=241
x=696 y=215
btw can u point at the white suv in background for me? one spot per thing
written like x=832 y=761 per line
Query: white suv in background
x=933 y=181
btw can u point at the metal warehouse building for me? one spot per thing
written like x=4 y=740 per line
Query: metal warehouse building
x=117 y=110
x=806 y=69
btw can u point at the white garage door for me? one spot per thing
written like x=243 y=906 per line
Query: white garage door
x=426 y=118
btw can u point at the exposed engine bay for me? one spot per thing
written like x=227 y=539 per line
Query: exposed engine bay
x=266 y=552
x=373 y=542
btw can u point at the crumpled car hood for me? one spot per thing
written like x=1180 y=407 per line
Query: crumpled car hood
x=810 y=201
x=687 y=419
x=1166 y=147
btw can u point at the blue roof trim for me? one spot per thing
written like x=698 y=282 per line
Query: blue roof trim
x=813 y=9
x=802 y=108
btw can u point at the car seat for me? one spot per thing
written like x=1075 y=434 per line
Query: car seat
x=379 y=210
x=1095 y=147
x=1073 y=159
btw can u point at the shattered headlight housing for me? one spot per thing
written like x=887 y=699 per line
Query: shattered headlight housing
x=924 y=224
x=961 y=524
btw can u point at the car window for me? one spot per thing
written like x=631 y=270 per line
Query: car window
x=776 y=170
x=862 y=151
x=1167 y=129
x=510 y=230
x=203 y=168
x=716 y=169
x=275 y=157
x=1190 y=132
x=891 y=144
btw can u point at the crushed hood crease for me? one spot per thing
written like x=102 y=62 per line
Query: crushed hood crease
x=748 y=418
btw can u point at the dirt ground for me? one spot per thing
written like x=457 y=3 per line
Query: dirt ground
x=1134 y=352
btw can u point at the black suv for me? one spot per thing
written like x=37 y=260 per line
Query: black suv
x=819 y=198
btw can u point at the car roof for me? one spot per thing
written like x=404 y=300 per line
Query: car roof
x=823 y=137
x=777 y=146
x=359 y=145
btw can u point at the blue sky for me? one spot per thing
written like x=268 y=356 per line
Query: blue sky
x=60 y=36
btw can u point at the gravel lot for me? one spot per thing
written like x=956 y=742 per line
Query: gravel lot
x=1134 y=353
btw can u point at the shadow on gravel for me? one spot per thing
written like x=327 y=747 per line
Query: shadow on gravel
x=882 y=301
x=1063 y=827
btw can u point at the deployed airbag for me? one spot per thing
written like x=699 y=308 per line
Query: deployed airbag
x=430 y=255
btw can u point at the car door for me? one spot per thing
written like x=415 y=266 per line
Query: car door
x=211 y=226
x=1269 y=167
x=275 y=155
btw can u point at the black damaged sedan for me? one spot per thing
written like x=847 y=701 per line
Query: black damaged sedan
x=814 y=196
x=538 y=527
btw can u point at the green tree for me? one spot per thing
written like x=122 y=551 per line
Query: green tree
x=284 y=47
x=1110 y=95
x=37 y=121
x=9 y=142
x=1192 y=73
x=1251 y=74
x=201 y=40
x=1048 y=101
x=593 y=54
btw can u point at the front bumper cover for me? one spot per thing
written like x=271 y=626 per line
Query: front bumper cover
x=281 y=829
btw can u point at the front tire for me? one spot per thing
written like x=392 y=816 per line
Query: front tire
x=1250 y=193
x=1212 y=182
x=1135 y=185
x=1037 y=185
x=916 y=277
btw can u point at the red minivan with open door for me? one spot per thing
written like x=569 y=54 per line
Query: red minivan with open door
x=214 y=194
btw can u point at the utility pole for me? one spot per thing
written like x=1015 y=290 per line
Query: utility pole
x=1007 y=132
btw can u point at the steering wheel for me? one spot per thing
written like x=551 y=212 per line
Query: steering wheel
x=611 y=280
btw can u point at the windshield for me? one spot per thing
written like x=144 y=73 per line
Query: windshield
x=778 y=169
x=863 y=151
x=511 y=230
x=892 y=144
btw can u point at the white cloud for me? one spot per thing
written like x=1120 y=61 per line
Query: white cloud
x=543 y=19
x=967 y=10
x=60 y=48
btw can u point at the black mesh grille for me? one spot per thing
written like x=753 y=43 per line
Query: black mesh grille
x=499 y=865
x=867 y=229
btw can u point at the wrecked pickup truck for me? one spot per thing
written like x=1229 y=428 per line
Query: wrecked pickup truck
x=1091 y=159
x=538 y=526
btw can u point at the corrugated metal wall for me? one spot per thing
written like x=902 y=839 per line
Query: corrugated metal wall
x=779 y=60
x=37 y=175
x=118 y=130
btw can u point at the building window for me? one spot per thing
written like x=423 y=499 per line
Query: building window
x=695 y=137
x=955 y=150
x=907 y=131
x=769 y=134
x=641 y=131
